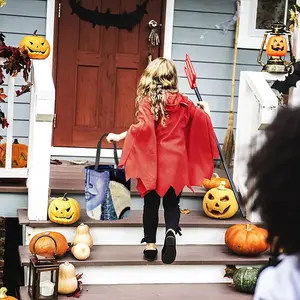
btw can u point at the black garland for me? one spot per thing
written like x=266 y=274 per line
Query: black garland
x=121 y=21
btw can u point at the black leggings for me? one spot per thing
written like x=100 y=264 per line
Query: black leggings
x=150 y=215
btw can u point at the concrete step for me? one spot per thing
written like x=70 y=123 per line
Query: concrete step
x=125 y=265
x=155 y=291
x=197 y=229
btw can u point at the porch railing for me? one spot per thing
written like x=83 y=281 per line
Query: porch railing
x=39 y=138
x=8 y=171
x=257 y=107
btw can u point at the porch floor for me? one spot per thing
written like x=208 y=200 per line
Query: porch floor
x=69 y=178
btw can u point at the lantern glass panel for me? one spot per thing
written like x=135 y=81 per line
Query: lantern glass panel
x=47 y=283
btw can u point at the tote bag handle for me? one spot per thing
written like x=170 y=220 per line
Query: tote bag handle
x=98 y=154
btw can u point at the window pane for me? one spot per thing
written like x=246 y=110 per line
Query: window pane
x=290 y=5
x=269 y=12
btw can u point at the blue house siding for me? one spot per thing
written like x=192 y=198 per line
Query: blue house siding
x=212 y=55
x=17 y=19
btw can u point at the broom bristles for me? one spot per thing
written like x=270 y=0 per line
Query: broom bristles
x=228 y=146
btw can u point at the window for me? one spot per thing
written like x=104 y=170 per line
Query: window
x=257 y=16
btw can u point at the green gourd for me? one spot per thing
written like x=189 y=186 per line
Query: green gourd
x=244 y=279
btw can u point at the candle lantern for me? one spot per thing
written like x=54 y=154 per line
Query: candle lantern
x=277 y=49
x=43 y=275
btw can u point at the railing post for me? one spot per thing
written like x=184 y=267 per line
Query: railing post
x=10 y=120
x=40 y=138
x=257 y=107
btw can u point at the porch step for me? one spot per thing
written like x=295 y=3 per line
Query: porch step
x=193 y=219
x=157 y=291
x=125 y=265
x=132 y=256
x=197 y=229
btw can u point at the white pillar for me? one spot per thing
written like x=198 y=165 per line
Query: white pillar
x=40 y=140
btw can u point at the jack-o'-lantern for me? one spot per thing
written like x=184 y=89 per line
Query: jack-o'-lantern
x=64 y=210
x=220 y=203
x=37 y=46
x=276 y=46
x=19 y=155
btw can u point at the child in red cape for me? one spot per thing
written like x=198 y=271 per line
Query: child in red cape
x=171 y=146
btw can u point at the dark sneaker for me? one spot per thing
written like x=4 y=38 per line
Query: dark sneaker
x=169 y=250
x=150 y=254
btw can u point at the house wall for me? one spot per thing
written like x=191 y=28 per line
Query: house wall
x=212 y=56
x=17 y=19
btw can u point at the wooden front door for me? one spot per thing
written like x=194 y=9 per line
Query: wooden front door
x=97 y=72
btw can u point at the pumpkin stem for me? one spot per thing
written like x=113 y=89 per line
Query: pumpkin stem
x=215 y=175
x=3 y=292
x=65 y=197
x=230 y=270
x=248 y=227
x=35 y=32
x=221 y=187
x=16 y=141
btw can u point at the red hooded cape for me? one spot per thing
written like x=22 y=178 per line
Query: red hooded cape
x=177 y=155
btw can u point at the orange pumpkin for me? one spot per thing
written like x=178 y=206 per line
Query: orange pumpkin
x=214 y=182
x=246 y=239
x=19 y=155
x=3 y=295
x=276 y=46
x=45 y=246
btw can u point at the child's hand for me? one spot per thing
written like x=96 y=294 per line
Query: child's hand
x=204 y=105
x=112 y=137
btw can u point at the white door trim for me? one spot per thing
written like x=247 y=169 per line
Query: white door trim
x=168 y=37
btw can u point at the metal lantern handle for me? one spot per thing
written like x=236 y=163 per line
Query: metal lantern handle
x=48 y=236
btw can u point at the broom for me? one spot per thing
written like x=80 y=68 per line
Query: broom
x=228 y=146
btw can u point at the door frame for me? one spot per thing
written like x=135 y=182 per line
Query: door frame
x=51 y=34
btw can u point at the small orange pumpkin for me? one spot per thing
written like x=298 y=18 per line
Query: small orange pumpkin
x=19 y=155
x=246 y=239
x=276 y=46
x=42 y=244
x=214 y=182
x=3 y=295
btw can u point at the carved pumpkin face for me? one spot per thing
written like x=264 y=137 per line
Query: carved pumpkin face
x=37 y=46
x=276 y=46
x=19 y=155
x=64 y=210
x=220 y=203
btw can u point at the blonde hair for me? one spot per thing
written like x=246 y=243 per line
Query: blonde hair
x=159 y=77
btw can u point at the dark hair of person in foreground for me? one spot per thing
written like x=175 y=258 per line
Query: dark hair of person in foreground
x=274 y=180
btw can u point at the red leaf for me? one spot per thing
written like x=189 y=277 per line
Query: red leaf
x=4 y=122
x=2 y=95
x=24 y=89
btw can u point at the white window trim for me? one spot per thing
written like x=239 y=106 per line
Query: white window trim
x=168 y=36
x=249 y=36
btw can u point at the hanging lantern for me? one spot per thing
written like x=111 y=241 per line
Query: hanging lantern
x=276 y=50
x=43 y=276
